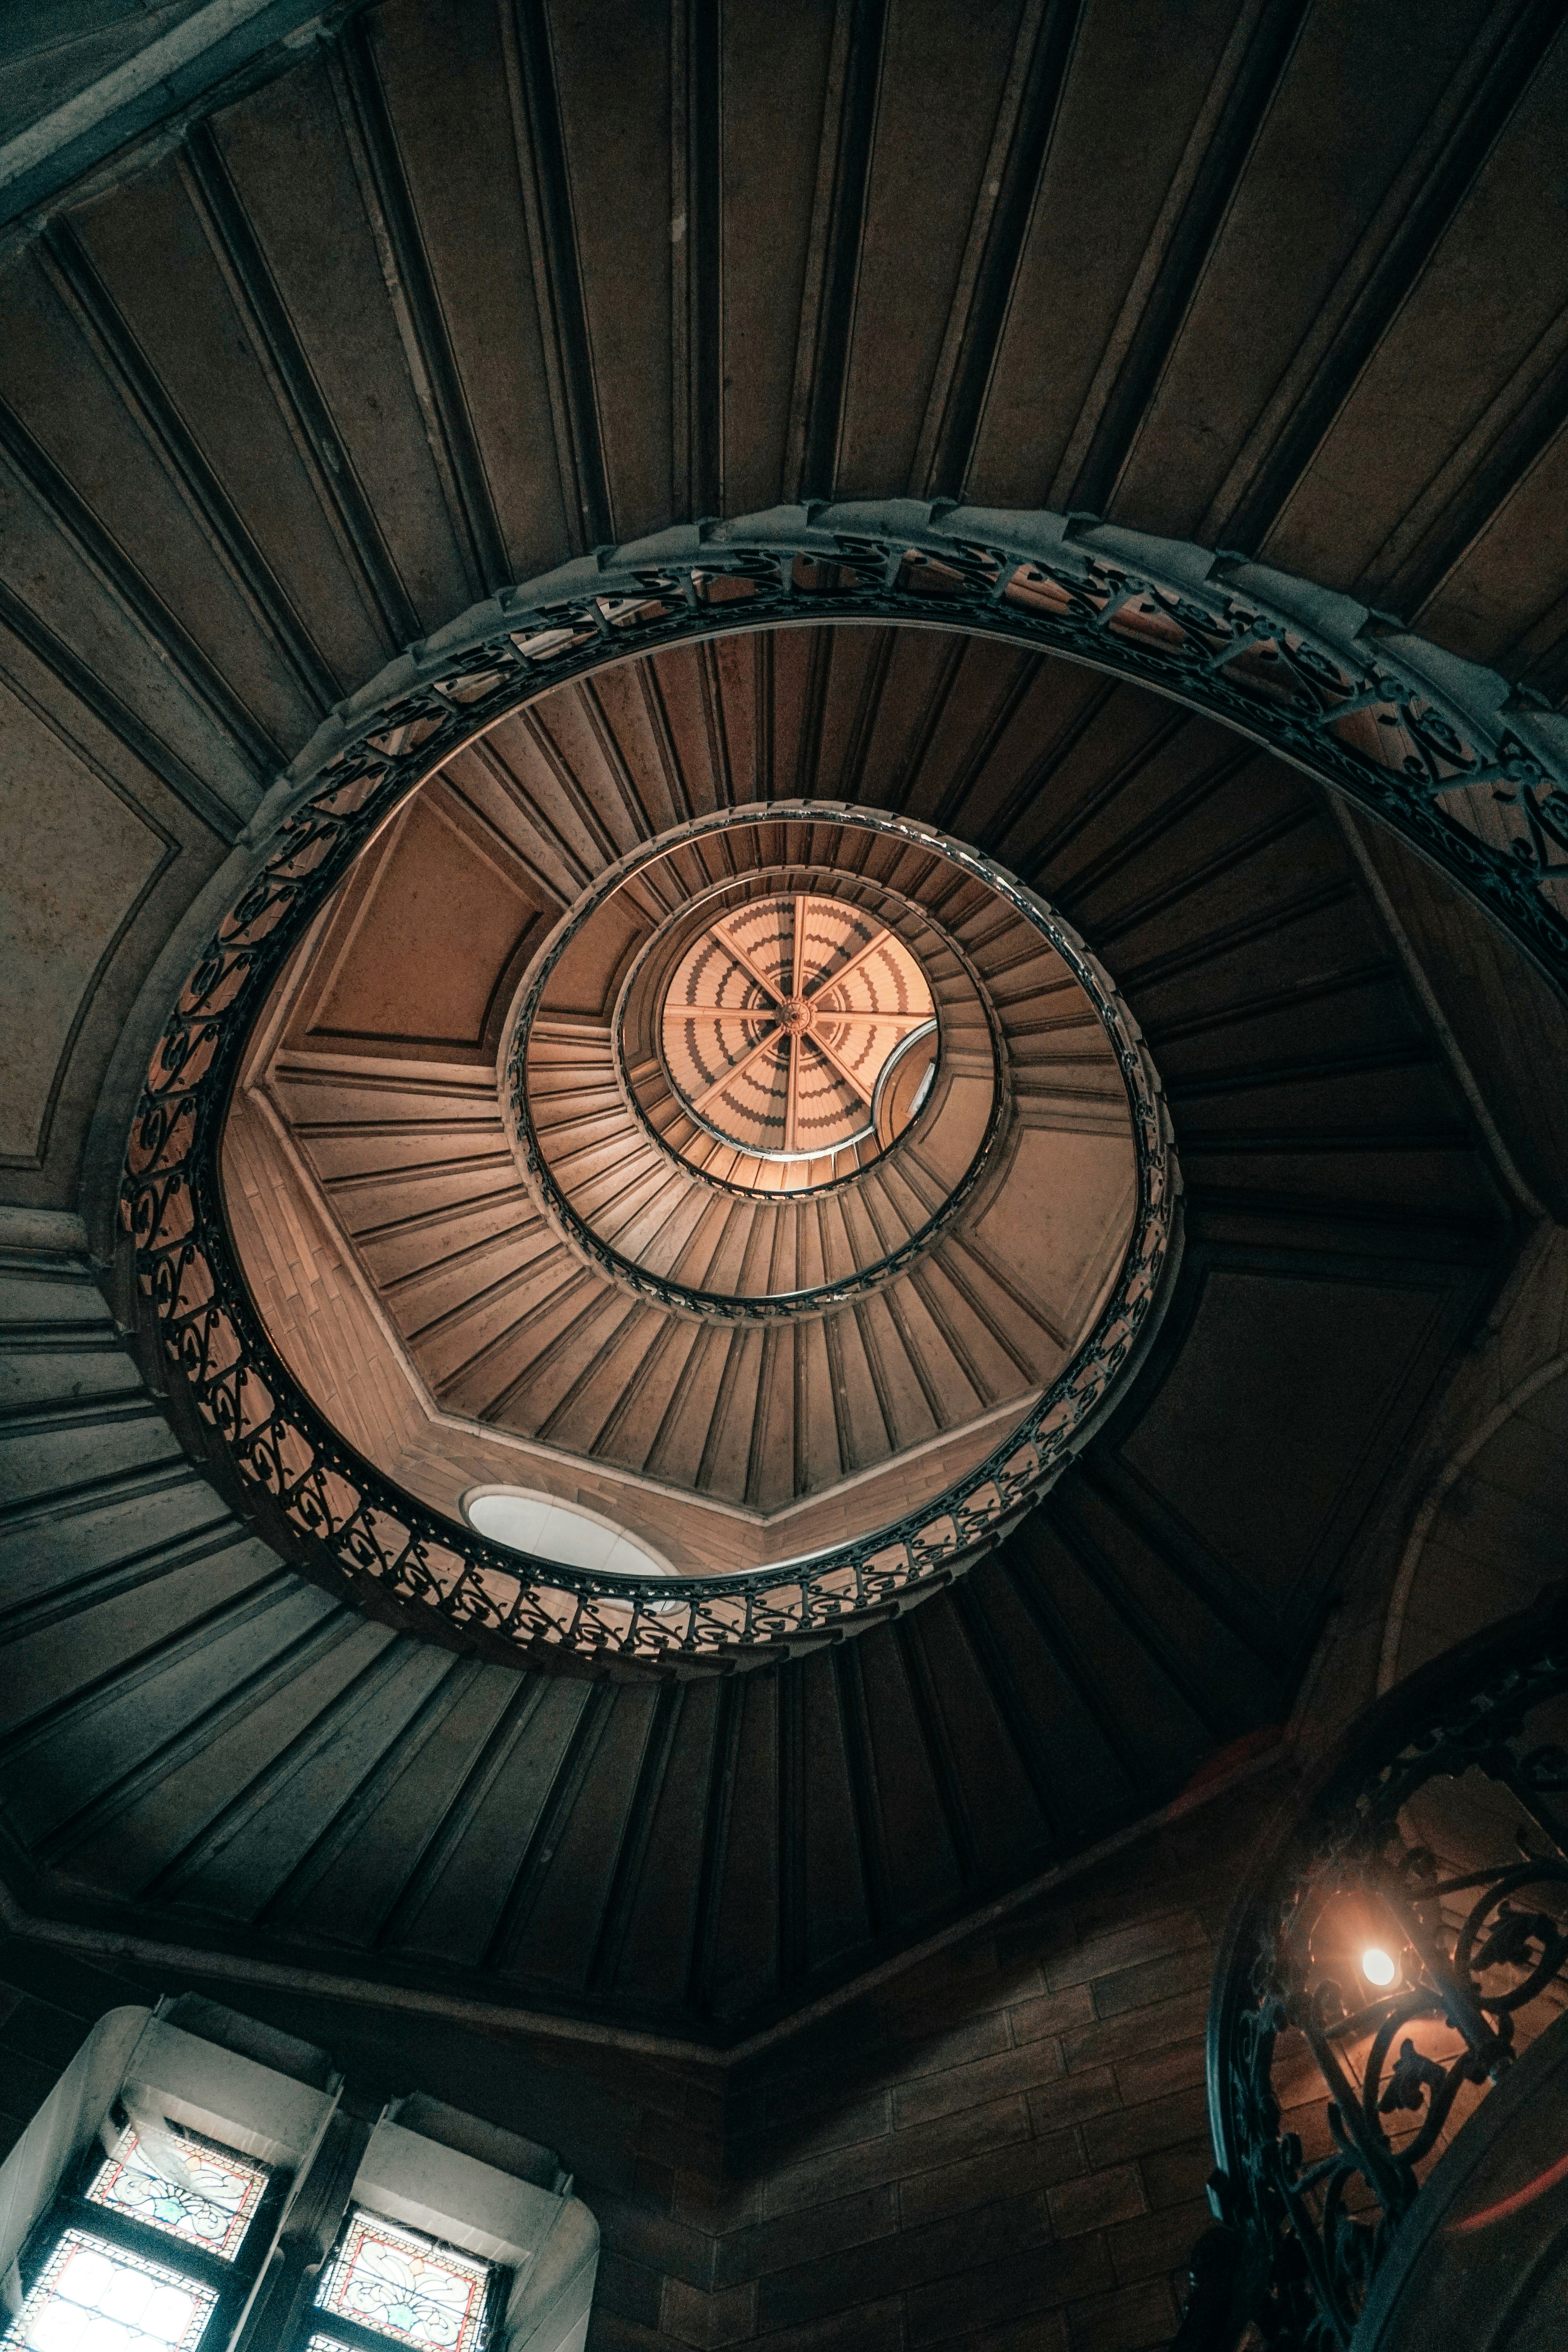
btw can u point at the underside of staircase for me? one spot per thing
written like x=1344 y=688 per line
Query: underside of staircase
x=414 y=309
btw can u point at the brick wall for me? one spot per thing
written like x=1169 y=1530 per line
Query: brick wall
x=1004 y=2148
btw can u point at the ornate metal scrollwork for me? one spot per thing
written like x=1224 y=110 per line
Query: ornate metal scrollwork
x=1435 y=746
x=1137 y=1071
x=1351 y=1885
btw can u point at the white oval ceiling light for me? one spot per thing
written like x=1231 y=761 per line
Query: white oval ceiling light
x=558 y=1532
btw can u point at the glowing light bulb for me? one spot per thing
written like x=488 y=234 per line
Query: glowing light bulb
x=1377 y=1965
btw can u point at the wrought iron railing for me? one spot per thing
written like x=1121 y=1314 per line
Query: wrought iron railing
x=1148 y=1126
x=1403 y=1934
x=1474 y=776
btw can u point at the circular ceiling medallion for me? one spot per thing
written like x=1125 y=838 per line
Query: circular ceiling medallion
x=800 y=1029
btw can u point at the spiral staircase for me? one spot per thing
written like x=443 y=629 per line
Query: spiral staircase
x=389 y=320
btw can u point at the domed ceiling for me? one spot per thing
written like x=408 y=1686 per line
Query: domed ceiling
x=421 y=304
x=781 y=1177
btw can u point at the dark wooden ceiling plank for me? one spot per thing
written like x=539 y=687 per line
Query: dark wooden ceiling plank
x=1274 y=828
x=995 y=1661
x=636 y=1830
x=200 y=678
x=669 y=761
x=1019 y=1564
x=865 y=1799
x=1240 y=97
x=1224 y=938
x=937 y=1744
x=714 y=1830
x=351 y=1818
x=417 y=306
x=1058 y=747
x=1010 y=186
x=128 y=368
x=1057 y=1514
x=711 y=686
x=867 y=709
x=1314 y=1142
x=1211 y=1581
x=939 y=690
x=557 y=270
x=1010 y=699
x=1307 y=989
x=446 y=1832
x=1179 y=803
x=1410 y=226
x=249 y=278
x=566 y=1786
x=792 y=1923
x=833 y=261
x=1479 y=482
x=1447 y=1228
x=697 y=293
x=370 y=1687
x=238 y=1698
x=1306 y=1070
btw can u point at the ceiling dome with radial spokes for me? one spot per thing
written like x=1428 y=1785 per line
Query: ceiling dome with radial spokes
x=791 y=1174
x=798 y=1028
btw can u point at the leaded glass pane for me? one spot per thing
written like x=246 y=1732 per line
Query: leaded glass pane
x=405 y=2285
x=94 y=2297
x=205 y=2195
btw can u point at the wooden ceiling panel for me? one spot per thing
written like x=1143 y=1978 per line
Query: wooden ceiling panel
x=1453 y=348
x=147 y=256
x=1139 y=93
x=287 y=165
x=426 y=948
x=926 y=173
x=612 y=80
x=63 y=917
x=454 y=112
x=1279 y=1386
x=1270 y=278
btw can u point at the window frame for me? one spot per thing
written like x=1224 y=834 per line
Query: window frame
x=352 y=2336
x=232 y=2279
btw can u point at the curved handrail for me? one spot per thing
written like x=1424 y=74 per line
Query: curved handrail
x=1300 y=2236
x=1137 y=1071
x=1473 y=772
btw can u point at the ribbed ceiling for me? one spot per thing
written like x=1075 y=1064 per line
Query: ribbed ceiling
x=465 y=291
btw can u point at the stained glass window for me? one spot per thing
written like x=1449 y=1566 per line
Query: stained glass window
x=204 y=2194
x=95 y=2297
x=405 y=2286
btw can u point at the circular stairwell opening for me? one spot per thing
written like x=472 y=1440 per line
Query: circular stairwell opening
x=800 y=1030
x=789 y=1183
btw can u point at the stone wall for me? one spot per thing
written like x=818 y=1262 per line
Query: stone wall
x=1005 y=2147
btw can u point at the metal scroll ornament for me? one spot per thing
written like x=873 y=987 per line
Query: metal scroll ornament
x=1436 y=747
x=1304 y=2229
